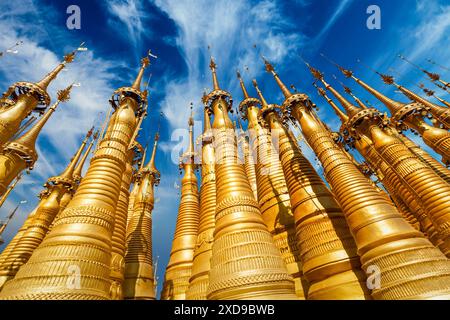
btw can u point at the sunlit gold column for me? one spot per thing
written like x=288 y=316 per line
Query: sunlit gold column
x=330 y=261
x=44 y=215
x=20 y=153
x=10 y=189
x=273 y=195
x=410 y=266
x=198 y=284
x=403 y=199
x=139 y=274
x=245 y=263
x=118 y=243
x=179 y=268
x=73 y=261
x=249 y=162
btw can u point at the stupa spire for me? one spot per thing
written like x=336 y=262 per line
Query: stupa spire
x=201 y=265
x=79 y=168
x=213 y=66
x=68 y=173
x=264 y=103
x=269 y=68
x=10 y=189
x=349 y=108
x=22 y=150
x=239 y=224
x=179 y=268
x=434 y=77
x=344 y=118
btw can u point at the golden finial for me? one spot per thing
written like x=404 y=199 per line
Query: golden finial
x=68 y=58
x=387 y=79
x=268 y=65
x=432 y=76
x=336 y=109
x=264 y=103
x=349 y=91
x=213 y=66
x=241 y=82
x=205 y=98
x=137 y=83
x=269 y=68
x=347 y=73
x=64 y=94
x=79 y=168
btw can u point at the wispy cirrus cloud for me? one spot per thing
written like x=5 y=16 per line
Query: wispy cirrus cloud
x=231 y=36
x=131 y=15
x=340 y=9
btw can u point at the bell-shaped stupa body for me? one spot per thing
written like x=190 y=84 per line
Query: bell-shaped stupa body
x=179 y=268
x=139 y=274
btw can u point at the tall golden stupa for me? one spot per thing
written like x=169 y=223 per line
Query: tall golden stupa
x=264 y=226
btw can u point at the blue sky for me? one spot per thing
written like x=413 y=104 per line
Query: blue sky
x=117 y=33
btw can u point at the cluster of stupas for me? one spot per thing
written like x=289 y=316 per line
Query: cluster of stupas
x=267 y=226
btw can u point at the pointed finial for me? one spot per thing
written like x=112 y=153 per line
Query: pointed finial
x=206 y=120
x=213 y=66
x=137 y=83
x=68 y=58
x=191 y=130
x=66 y=177
x=349 y=92
x=241 y=82
x=264 y=103
x=347 y=73
x=432 y=76
x=315 y=72
x=391 y=104
x=11 y=215
x=349 y=108
x=439 y=65
x=271 y=69
x=344 y=118
x=79 y=168
x=387 y=79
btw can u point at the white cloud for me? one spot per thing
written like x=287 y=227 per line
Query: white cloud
x=131 y=14
x=231 y=28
